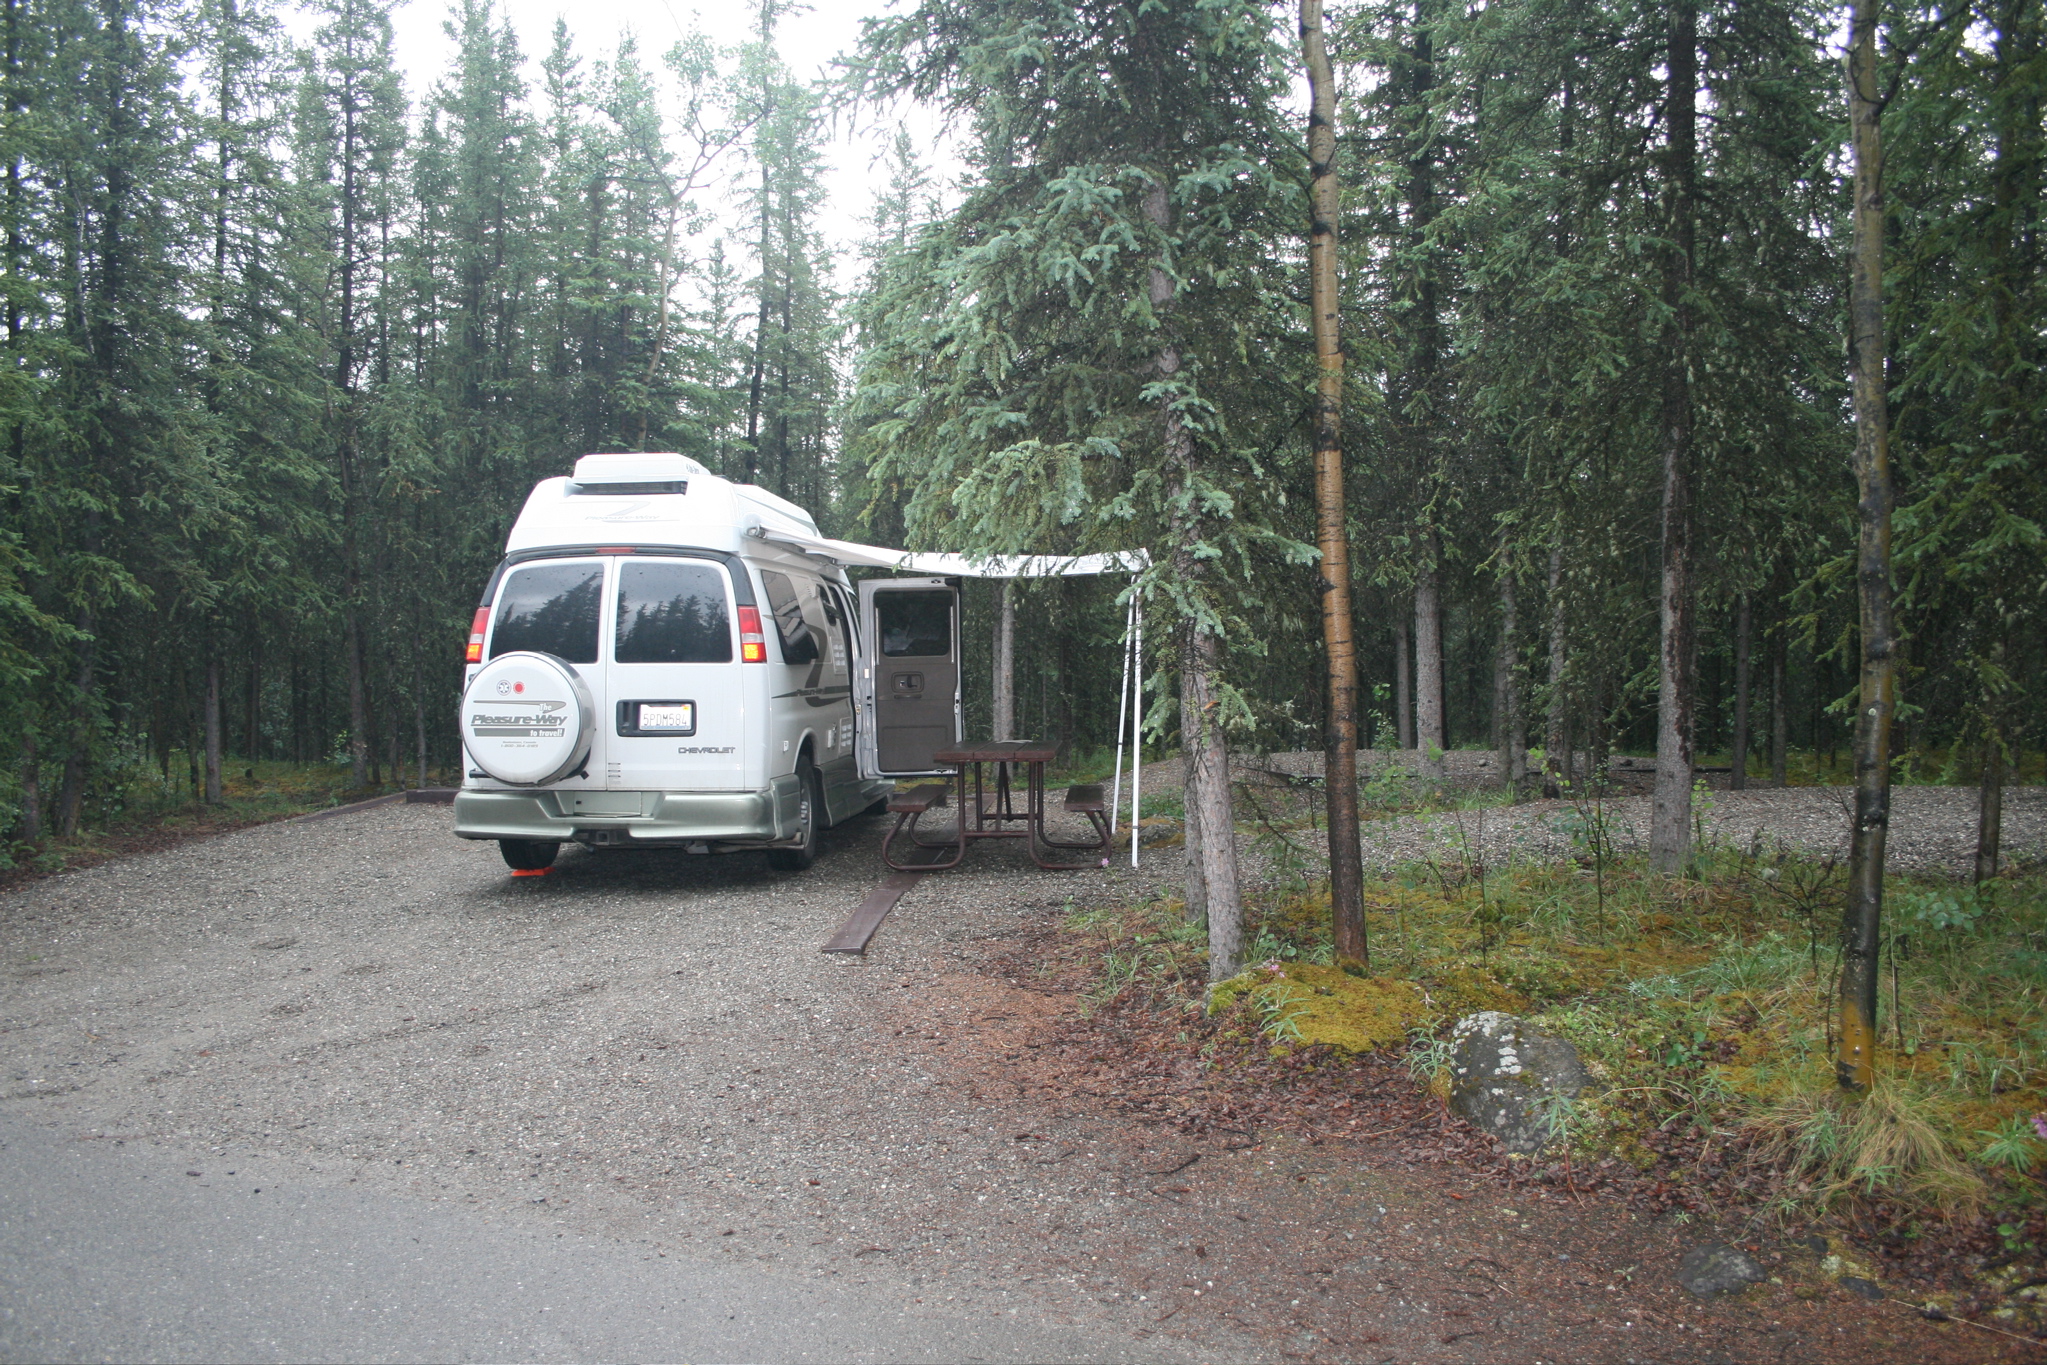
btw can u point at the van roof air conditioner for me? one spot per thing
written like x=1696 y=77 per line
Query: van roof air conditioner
x=634 y=475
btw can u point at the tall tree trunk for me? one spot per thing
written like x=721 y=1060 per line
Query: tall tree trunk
x=1671 y=812
x=1990 y=806
x=1192 y=865
x=252 y=716
x=1211 y=822
x=1862 y=916
x=71 y=788
x=31 y=826
x=1556 y=745
x=1419 y=394
x=784 y=355
x=1062 y=656
x=2015 y=194
x=1496 y=715
x=1990 y=786
x=1208 y=796
x=1332 y=532
x=1513 y=724
x=1403 y=683
x=349 y=454
x=760 y=330
x=358 y=700
x=298 y=711
x=1599 y=733
x=1003 y=703
x=210 y=720
x=1738 y=779
x=1428 y=662
x=1780 y=703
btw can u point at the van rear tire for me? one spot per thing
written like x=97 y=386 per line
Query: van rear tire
x=805 y=852
x=527 y=855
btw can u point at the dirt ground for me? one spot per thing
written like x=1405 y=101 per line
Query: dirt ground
x=650 y=1047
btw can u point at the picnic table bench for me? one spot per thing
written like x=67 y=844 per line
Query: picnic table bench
x=994 y=811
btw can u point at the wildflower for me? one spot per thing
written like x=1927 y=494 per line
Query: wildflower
x=2040 y=1125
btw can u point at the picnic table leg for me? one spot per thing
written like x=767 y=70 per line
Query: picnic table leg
x=1005 y=799
x=1036 y=837
x=909 y=819
x=1098 y=844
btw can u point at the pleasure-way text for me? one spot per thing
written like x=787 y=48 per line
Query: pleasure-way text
x=649 y=667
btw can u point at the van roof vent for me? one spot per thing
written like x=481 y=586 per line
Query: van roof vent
x=633 y=475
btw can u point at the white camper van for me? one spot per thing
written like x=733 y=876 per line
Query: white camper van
x=660 y=662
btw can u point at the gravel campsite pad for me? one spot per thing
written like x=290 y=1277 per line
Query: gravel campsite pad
x=1932 y=829
x=649 y=1048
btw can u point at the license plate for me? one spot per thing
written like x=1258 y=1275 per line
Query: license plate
x=680 y=716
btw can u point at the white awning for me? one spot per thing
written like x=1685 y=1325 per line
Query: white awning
x=957 y=565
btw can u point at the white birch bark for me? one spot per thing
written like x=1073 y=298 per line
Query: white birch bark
x=1428 y=667
x=1004 y=703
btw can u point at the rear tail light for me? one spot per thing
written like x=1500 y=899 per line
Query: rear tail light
x=477 y=625
x=753 y=646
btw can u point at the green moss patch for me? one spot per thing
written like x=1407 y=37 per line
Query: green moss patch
x=1306 y=1005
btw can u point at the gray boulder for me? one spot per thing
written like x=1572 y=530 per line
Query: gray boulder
x=1512 y=1081
x=1716 y=1269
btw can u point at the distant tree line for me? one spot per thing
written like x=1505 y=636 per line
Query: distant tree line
x=287 y=345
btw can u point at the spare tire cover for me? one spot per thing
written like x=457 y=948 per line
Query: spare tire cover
x=527 y=719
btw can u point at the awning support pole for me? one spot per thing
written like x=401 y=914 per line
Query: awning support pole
x=1136 y=714
x=1122 y=716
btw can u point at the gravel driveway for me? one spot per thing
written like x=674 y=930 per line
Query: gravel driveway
x=642 y=1046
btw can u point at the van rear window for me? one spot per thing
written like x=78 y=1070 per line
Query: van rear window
x=672 y=614
x=915 y=625
x=552 y=609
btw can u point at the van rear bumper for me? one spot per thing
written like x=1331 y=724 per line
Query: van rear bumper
x=764 y=816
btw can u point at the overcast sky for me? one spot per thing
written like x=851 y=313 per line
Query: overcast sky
x=808 y=43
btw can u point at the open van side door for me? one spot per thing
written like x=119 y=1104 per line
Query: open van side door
x=907 y=682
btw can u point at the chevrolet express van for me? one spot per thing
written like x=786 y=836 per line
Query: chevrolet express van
x=651 y=668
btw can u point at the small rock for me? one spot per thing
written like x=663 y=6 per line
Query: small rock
x=1509 y=1080
x=1718 y=1269
x=1861 y=1288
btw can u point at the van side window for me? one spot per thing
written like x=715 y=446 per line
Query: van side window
x=672 y=614
x=550 y=609
x=914 y=625
x=799 y=646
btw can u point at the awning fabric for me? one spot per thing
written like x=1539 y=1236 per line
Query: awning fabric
x=955 y=565
x=1131 y=702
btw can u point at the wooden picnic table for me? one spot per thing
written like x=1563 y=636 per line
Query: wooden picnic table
x=994 y=813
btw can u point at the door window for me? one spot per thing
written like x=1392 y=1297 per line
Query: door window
x=838 y=614
x=672 y=614
x=550 y=609
x=915 y=625
x=799 y=641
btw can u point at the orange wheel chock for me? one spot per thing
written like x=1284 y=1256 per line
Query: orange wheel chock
x=531 y=871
